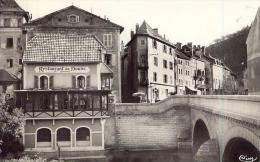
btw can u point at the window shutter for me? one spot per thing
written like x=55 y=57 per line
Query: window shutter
x=73 y=81
x=51 y=82
x=36 y=81
x=88 y=81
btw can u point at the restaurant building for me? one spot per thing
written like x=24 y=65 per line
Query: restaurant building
x=68 y=78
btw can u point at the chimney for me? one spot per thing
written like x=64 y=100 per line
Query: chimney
x=132 y=34
x=136 y=27
x=179 y=45
x=164 y=36
x=156 y=30
x=203 y=50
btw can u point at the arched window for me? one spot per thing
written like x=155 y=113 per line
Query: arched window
x=81 y=81
x=44 y=82
x=44 y=137
x=64 y=137
x=83 y=136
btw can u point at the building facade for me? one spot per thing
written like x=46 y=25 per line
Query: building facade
x=150 y=65
x=12 y=17
x=253 y=57
x=69 y=72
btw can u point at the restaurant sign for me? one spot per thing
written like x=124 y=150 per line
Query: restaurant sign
x=61 y=69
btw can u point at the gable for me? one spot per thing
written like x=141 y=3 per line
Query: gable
x=83 y=19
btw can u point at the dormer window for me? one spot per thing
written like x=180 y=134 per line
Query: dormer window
x=73 y=18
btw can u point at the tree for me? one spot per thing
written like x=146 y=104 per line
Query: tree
x=12 y=121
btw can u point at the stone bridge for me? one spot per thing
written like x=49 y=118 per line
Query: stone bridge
x=219 y=128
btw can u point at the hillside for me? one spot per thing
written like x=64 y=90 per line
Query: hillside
x=232 y=50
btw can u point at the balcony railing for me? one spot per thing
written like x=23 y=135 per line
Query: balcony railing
x=63 y=103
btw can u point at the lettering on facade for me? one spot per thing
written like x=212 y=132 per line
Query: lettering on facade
x=61 y=69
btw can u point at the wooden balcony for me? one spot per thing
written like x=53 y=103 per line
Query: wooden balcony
x=63 y=103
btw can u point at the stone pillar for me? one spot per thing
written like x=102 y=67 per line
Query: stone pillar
x=103 y=121
x=208 y=152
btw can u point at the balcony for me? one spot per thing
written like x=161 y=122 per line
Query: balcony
x=63 y=103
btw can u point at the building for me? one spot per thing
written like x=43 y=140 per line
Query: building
x=150 y=65
x=191 y=69
x=70 y=69
x=12 y=17
x=253 y=59
x=82 y=22
x=183 y=73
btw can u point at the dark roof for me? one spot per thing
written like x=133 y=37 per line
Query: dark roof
x=12 y=6
x=146 y=29
x=41 y=20
x=7 y=77
x=63 y=48
x=181 y=55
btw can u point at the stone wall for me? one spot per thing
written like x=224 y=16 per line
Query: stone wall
x=146 y=126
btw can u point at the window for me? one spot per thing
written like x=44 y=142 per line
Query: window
x=165 y=64
x=171 y=65
x=19 y=43
x=7 y=22
x=170 y=79
x=83 y=137
x=108 y=59
x=105 y=82
x=44 y=82
x=108 y=40
x=166 y=92
x=73 y=18
x=155 y=59
x=20 y=22
x=142 y=59
x=9 y=43
x=165 y=78
x=154 y=76
x=14 y=23
x=142 y=42
x=164 y=48
x=10 y=63
x=170 y=51
x=63 y=137
x=20 y=61
x=142 y=76
x=155 y=44
x=81 y=81
x=44 y=137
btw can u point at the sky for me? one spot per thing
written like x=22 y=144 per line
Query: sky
x=197 y=21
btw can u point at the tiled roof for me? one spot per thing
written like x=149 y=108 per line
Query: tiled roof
x=146 y=29
x=63 y=48
x=12 y=6
x=7 y=77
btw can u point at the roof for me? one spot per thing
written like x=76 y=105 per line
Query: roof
x=146 y=29
x=181 y=55
x=7 y=77
x=42 y=20
x=105 y=69
x=63 y=48
x=12 y=6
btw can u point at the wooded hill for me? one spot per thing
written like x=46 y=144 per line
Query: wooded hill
x=232 y=50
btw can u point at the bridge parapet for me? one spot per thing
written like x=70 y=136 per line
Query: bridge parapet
x=243 y=108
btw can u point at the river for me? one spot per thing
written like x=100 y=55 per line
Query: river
x=141 y=156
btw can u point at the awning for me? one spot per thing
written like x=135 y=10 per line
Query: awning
x=191 y=89
x=6 y=77
x=104 y=69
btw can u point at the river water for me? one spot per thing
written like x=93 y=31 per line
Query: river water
x=141 y=156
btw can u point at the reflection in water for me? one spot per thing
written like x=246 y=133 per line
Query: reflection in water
x=143 y=156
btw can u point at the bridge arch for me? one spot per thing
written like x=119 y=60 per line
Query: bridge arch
x=200 y=134
x=243 y=140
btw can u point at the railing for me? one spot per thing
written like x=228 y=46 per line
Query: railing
x=71 y=103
